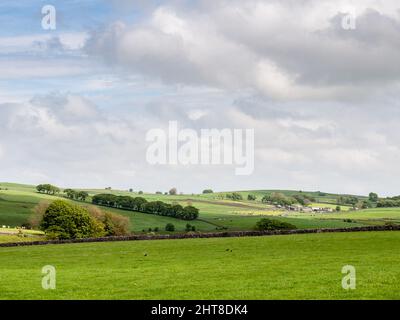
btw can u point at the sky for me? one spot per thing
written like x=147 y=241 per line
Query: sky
x=318 y=81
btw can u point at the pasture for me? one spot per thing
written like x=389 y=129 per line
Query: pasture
x=275 y=267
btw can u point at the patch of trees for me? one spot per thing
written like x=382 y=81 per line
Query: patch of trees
x=271 y=224
x=142 y=205
x=207 y=191
x=63 y=220
x=251 y=197
x=234 y=196
x=348 y=200
x=76 y=195
x=388 y=203
x=304 y=199
x=48 y=189
x=277 y=198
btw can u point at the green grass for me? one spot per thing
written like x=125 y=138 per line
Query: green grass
x=276 y=267
x=10 y=238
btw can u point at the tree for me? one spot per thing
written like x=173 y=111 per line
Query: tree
x=170 y=227
x=70 y=193
x=82 y=195
x=47 y=188
x=207 y=191
x=278 y=199
x=338 y=208
x=234 y=196
x=251 y=197
x=173 y=192
x=63 y=220
x=373 y=197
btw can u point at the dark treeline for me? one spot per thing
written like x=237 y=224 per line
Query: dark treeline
x=389 y=202
x=48 y=188
x=142 y=205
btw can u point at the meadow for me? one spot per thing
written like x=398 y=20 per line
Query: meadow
x=304 y=266
x=17 y=202
x=272 y=267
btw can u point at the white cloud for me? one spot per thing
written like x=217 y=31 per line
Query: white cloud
x=284 y=50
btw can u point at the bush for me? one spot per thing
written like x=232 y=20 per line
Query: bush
x=63 y=220
x=269 y=224
x=170 y=227
x=114 y=224
x=251 y=197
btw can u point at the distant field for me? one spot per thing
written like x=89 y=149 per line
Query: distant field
x=276 y=267
x=17 y=202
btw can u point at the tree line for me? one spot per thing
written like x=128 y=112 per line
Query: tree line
x=48 y=188
x=142 y=205
x=277 y=198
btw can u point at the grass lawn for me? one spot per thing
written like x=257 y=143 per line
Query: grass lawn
x=276 y=267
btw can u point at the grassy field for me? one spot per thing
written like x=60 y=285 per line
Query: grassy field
x=276 y=267
x=17 y=202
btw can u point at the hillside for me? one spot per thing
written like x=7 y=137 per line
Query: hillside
x=216 y=212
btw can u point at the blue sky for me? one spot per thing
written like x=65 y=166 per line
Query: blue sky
x=77 y=102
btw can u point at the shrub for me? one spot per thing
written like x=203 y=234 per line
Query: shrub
x=114 y=224
x=170 y=227
x=270 y=224
x=63 y=220
x=251 y=197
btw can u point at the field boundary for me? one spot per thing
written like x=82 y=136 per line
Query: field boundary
x=227 y=234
